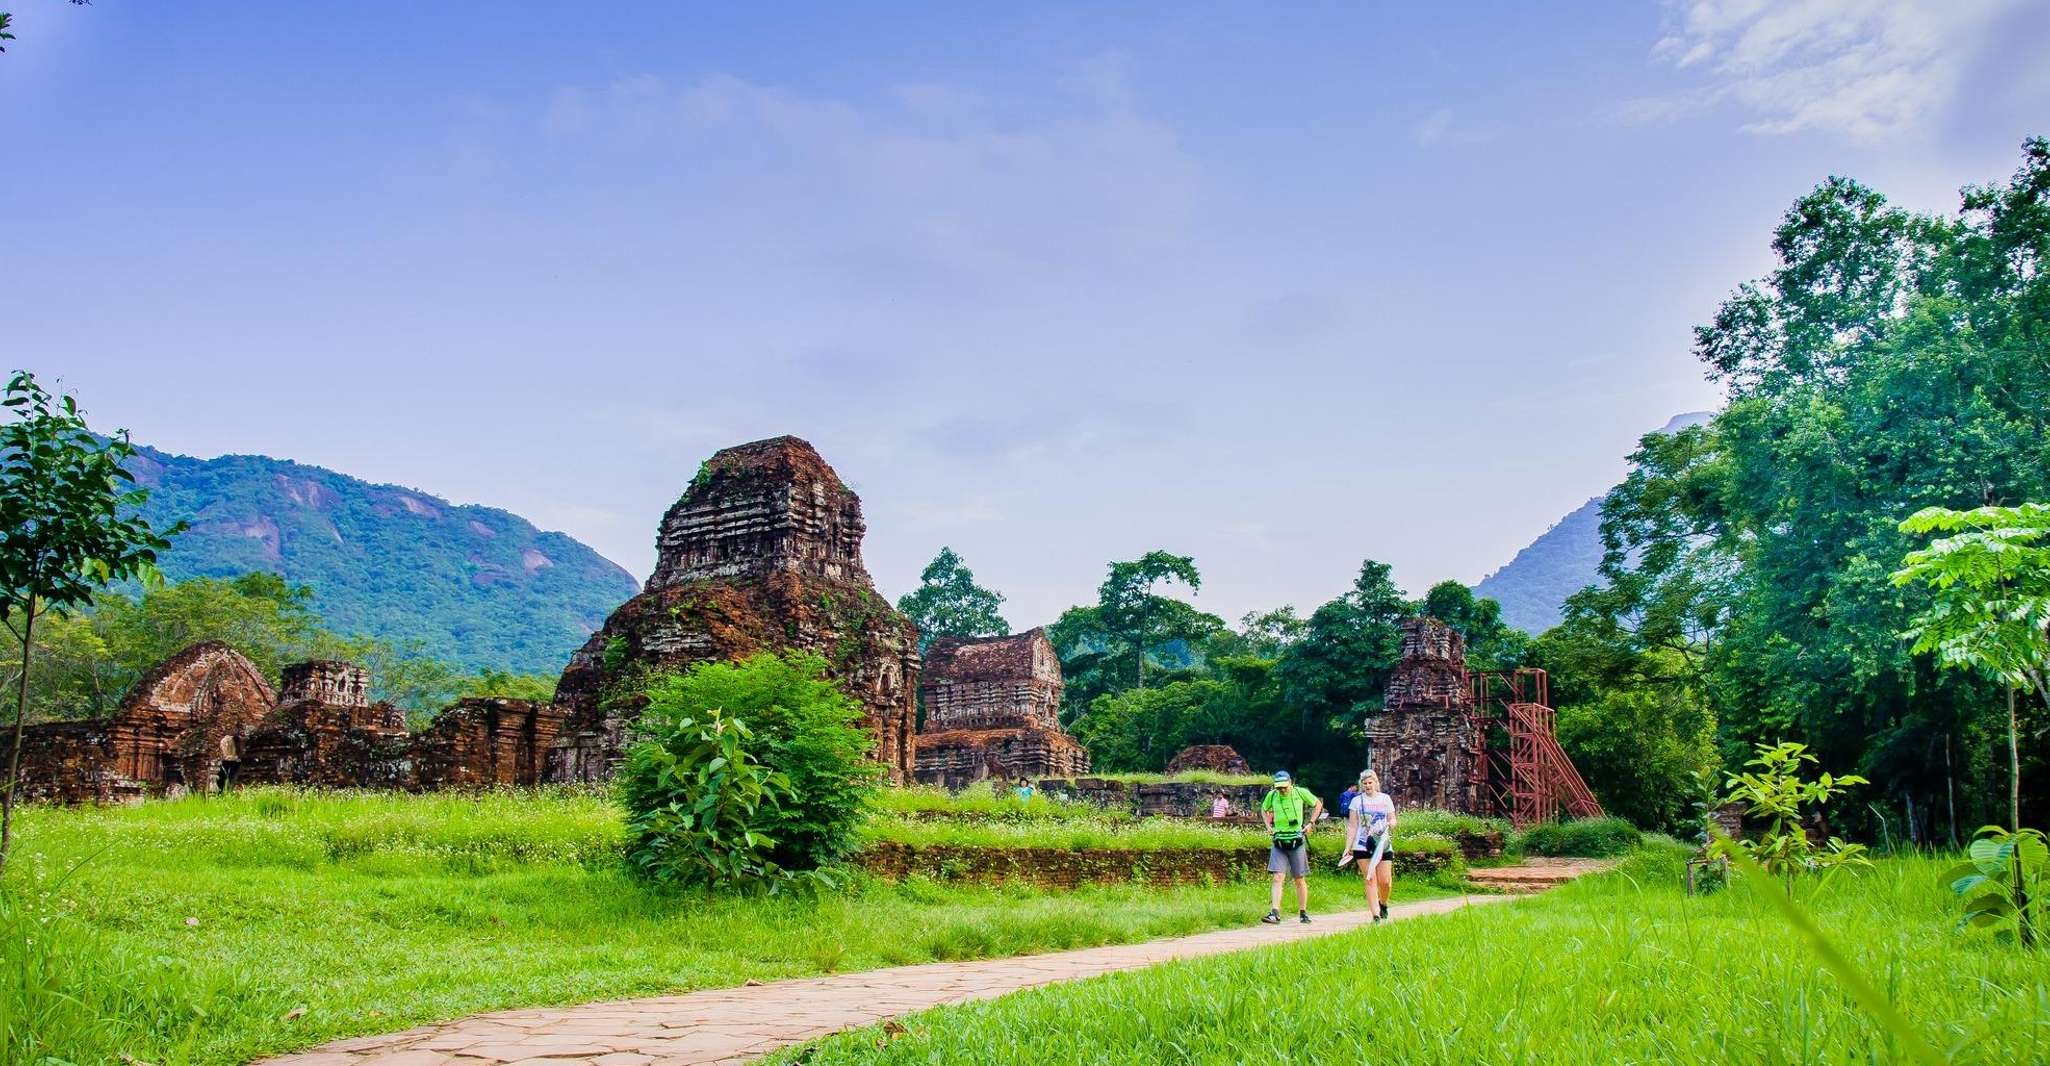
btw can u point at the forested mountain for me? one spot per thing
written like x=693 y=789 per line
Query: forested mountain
x=1561 y=562
x=472 y=586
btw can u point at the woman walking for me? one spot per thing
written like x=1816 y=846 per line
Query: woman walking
x=1369 y=825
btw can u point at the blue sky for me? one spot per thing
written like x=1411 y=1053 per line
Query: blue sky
x=1281 y=289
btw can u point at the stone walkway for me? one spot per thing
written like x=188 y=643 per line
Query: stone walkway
x=732 y=1025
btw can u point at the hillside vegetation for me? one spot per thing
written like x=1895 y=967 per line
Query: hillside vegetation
x=476 y=587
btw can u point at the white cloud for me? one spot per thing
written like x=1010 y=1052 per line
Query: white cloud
x=1872 y=71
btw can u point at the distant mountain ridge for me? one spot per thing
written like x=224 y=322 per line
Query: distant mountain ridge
x=475 y=586
x=1564 y=559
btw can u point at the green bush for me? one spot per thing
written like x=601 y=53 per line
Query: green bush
x=696 y=797
x=760 y=762
x=1591 y=838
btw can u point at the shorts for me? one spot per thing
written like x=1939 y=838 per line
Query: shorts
x=1295 y=861
x=1366 y=854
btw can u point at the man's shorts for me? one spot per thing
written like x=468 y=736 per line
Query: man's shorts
x=1293 y=860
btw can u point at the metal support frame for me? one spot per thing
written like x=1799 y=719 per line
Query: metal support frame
x=1529 y=778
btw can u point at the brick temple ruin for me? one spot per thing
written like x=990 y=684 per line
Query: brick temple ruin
x=993 y=710
x=1475 y=742
x=762 y=552
x=322 y=731
x=1216 y=758
x=165 y=736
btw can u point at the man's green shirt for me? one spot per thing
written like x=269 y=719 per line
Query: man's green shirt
x=1288 y=808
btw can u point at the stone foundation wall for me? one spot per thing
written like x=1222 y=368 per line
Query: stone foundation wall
x=956 y=760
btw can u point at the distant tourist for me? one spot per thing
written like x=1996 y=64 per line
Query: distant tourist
x=1345 y=801
x=1221 y=806
x=1369 y=830
x=1023 y=791
x=1289 y=854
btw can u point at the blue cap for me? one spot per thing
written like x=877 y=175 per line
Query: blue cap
x=1281 y=777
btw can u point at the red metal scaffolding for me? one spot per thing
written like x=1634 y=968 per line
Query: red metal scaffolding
x=1526 y=775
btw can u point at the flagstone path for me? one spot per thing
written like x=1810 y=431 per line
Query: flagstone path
x=733 y=1025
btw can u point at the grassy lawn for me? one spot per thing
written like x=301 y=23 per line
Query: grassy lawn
x=1621 y=968
x=213 y=931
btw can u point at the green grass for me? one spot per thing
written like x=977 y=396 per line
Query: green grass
x=218 y=930
x=1593 y=838
x=926 y=801
x=1621 y=968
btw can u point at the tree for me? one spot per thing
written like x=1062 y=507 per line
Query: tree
x=7 y=19
x=1891 y=361
x=1990 y=604
x=66 y=530
x=1269 y=633
x=1136 y=618
x=948 y=603
x=1491 y=644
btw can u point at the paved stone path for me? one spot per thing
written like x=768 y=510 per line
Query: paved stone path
x=732 y=1025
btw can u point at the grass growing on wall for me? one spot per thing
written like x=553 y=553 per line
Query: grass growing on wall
x=1622 y=967
x=219 y=930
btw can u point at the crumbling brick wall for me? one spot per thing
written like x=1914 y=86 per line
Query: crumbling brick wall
x=314 y=743
x=484 y=742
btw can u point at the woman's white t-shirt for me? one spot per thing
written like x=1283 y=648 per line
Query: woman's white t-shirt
x=1375 y=812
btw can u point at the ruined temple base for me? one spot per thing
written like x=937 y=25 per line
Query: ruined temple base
x=963 y=757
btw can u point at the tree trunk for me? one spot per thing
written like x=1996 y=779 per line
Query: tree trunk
x=2023 y=927
x=1950 y=790
x=28 y=633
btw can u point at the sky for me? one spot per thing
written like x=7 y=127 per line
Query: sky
x=1282 y=288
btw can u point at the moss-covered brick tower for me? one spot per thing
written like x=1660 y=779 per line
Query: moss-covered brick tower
x=762 y=552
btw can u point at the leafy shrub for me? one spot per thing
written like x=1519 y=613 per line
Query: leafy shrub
x=2001 y=883
x=696 y=797
x=759 y=769
x=1776 y=794
x=1590 y=838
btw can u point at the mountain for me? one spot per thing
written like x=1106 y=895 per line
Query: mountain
x=475 y=586
x=1560 y=562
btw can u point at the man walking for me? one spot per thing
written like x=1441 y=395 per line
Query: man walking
x=1289 y=855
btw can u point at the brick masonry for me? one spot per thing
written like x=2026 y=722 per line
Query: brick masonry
x=762 y=552
x=992 y=710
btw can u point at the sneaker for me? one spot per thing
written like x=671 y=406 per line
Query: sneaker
x=1273 y=918
x=1384 y=910
x=1303 y=917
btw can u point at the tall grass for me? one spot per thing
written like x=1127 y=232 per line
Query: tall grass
x=219 y=930
x=1620 y=968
